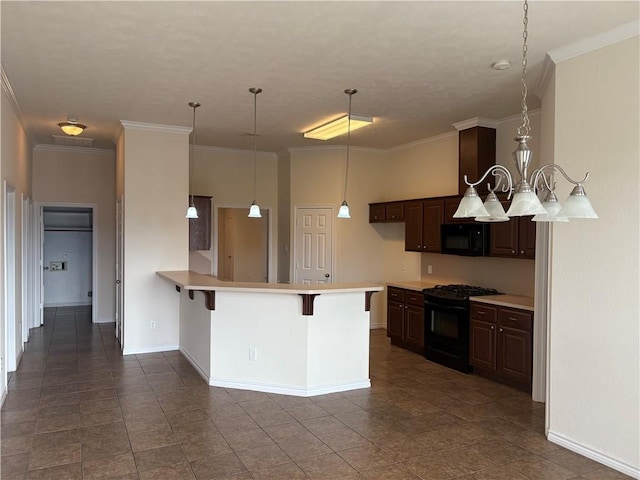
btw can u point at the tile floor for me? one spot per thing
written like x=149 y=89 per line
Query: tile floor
x=77 y=409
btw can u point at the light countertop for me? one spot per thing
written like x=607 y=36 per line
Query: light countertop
x=513 y=301
x=418 y=286
x=197 y=281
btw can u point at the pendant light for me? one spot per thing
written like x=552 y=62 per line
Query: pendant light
x=254 y=210
x=344 y=208
x=191 y=211
x=525 y=200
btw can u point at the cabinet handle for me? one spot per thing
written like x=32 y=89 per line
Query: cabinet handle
x=521 y=252
x=419 y=246
x=492 y=327
x=501 y=330
x=480 y=312
x=406 y=306
x=513 y=319
x=513 y=251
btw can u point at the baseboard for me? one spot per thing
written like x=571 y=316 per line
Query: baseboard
x=151 y=349
x=295 y=391
x=622 y=467
x=3 y=397
x=106 y=320
x=375 y=326
x=195 y=365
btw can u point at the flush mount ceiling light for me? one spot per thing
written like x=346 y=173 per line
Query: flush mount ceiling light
x=254 y=210
x=339 y=126
x=72 y=127
x=344 y=208
x=191 y=211
x=525 y=200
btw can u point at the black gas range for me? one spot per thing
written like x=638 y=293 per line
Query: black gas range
x=446 y=315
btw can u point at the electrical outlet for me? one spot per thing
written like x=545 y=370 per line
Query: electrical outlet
x=253 y=354
x=429 y=269
x=152 y=325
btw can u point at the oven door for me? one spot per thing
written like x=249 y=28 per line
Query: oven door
x=447 y=335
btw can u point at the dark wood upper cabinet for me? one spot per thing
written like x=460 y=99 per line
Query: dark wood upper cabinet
x=433 y=218
x=527 y=237
x=385 y=212
x=476 y=153
x=200 y=228
x=413 y=226
x=515 y=238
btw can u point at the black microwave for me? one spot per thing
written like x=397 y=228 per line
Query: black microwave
x=468 y=239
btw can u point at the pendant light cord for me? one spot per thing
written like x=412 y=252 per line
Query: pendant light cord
x=193 y=142
x=349 y=92
x=255 y=122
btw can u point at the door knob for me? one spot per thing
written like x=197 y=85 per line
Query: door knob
x=326 y=275
x=46 y=268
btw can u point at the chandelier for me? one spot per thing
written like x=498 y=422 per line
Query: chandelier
x=525 y=201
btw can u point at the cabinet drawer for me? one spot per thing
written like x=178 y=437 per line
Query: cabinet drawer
x=485 y=313
x=519 y=319
x=414 y=298
x=395 y=294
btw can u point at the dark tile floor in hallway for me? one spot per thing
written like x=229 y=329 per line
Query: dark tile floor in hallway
x=78 y=409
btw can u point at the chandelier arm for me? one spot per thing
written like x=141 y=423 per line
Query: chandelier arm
x=535 y=176
x=497 y=171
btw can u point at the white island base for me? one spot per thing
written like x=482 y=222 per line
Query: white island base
x=285 y=339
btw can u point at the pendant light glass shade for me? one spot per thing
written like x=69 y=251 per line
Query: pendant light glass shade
x=471 y=205
x=254 y=209
x=192 y=212
x=344 y=210
x=577 y=205
x=494 y=208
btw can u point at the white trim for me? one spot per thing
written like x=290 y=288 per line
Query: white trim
x=195 y=365
x=475 y=122
x=4 y=396
x=105 y=320
x=8 y=88
x=155 y=127
x=586 y=45
x=376 y=326
x=548 y=69
x=69 y=148
x=541 y=311
x=295 y=391
x=599 y=457
x=151 y=349
x=437 y=138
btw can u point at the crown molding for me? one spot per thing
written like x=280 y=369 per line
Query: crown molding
x=586 y=45
x=231 y=150
x=548 y=69
x=70 y=148
x=154 y=127
x=475 y=122
x=8 y=89
x=334 y=147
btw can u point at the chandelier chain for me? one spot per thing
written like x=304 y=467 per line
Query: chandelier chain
x=525 y=128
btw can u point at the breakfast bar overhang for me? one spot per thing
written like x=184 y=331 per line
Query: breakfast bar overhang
x=301 y=340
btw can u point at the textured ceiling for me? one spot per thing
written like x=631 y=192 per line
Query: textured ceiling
x=419 y=66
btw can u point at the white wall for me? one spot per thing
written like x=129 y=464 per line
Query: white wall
x=594 y=395
x=227 y=176
x=317 y=179
x=76 y=175
x=69 y=286
x=15 y=170
x=156 y=234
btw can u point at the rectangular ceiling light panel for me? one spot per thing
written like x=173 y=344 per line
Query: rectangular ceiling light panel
x=338 y=127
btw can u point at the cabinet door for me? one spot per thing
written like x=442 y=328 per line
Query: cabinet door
x=376 y=212
x=394 y=212
x=413 y=226
x=504 y=237
x=482 y=345
x=526 y=237
x=395 y=320
x=200 y=228
x=514 y=352
x=414 y=333
x=433 y=216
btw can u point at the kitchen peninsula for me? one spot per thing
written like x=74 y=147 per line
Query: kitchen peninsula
x=299 y=340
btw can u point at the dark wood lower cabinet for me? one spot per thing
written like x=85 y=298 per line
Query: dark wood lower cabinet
x=405 y=318
x=501 y=344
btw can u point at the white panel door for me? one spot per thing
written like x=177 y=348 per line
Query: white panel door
x=313 y=246
x=119 y=270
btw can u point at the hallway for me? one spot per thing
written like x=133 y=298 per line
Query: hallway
x=78 y=409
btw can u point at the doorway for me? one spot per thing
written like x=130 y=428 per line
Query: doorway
x=68 y=257
x=10 y=362
x=243 y=246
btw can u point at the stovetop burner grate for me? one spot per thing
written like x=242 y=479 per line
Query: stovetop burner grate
x=458 y=292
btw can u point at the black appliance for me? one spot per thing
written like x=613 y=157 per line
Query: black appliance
x=446 y=328
x=468 y=239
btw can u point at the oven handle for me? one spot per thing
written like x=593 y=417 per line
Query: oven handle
x=440 y=307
